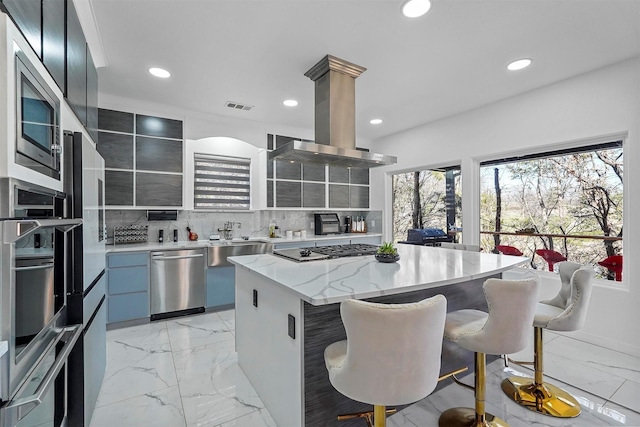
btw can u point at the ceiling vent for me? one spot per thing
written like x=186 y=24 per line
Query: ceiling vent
x=238 y=106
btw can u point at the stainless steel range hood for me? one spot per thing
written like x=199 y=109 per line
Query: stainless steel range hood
x=335 y=139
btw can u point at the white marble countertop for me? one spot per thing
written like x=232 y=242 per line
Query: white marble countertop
x=334 y=280
x=152 y=246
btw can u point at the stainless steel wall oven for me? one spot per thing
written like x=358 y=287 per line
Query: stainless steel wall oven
x=34 y=280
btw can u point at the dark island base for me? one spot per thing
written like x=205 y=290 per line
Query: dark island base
x=323 y=326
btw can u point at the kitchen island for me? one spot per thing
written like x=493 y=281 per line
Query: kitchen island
x=288 y=312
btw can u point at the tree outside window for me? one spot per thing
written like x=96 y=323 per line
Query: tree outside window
x=569 y=202
x=427 y=199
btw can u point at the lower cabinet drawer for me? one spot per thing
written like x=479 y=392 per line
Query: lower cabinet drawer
x=128 y=306
x=130 y=279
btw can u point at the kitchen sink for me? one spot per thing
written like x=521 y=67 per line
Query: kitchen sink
x=218 y=253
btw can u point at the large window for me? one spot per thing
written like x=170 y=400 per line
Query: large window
x=221 y=182
x=430 y=198
x=566 y=204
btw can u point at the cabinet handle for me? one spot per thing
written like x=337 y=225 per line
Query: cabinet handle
x=35 y=267
x=155 y=257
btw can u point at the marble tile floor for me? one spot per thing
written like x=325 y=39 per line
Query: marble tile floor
x=183 y=372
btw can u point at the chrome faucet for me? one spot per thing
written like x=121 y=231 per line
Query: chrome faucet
x=228 y=229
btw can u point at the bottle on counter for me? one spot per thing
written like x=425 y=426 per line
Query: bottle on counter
x=160 y=236
x=175 y=235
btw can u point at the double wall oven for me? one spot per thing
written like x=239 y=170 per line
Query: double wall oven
x=34 y=318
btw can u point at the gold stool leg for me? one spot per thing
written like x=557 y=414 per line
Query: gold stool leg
x=379 y=416
x=369 y=416
x=467 y=417
x=537 y=396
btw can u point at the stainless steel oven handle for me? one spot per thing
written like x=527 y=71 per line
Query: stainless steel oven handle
x=35 y=267
x=16 y=229
x=160 y=258
x=20 y=408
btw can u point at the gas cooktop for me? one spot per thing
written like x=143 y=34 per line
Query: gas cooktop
x=326 y=252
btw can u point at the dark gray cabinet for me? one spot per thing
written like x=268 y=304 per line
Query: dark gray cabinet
x=288 y=170
x=313 y=172
x=158 y=126
x=158 y=154
x=142 y=171
x=92 y=97
x=305 y=185
x=116 y=149
x=359 y=176
x=358 y=197
x=338 y=196
x=338 y=174
x=116 y=121
x=76 y=65
x=288 y=194
x=27 y=15
x=313 y=195
x=119 y=188
x=53 y=30
x=154 y=189
x=53 y=39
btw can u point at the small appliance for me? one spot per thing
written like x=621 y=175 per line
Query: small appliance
x=326 y=223
x=37 y=121
x=347 y=224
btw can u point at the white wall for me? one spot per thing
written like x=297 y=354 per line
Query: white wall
x=574 y=111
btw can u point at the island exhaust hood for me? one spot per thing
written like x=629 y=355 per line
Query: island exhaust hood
x=335 y=128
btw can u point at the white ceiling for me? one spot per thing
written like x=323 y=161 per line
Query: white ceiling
x=418 y=70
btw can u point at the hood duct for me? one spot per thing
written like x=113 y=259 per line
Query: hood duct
x=335 y=128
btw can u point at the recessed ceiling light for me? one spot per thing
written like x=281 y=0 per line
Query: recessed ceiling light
x=290 y=102
x=519 y=64
x=375 y=121
x=415 y=8
x=159 y=72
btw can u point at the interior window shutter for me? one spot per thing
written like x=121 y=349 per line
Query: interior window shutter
x=221 y=182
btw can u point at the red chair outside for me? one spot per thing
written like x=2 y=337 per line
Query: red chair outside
x=508 y=250
x=551 y=257
x=613 y=263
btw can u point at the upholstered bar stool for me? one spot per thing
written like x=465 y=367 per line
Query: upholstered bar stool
x=501 y=331
x=391 y=355
x=565 y=312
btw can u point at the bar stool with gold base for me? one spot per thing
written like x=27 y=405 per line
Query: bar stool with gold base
x=391 y=355
x=565 y=312
x=502 y=330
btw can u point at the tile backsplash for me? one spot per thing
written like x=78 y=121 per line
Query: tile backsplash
x=252 y=224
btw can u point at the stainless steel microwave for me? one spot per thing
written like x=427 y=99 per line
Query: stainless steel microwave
x=37 y=121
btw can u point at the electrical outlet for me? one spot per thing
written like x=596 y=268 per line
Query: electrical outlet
x=311 y=225
x=373 y=222
x=292 y=326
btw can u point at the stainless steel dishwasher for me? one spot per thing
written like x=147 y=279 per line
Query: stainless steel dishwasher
x=177 y=283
